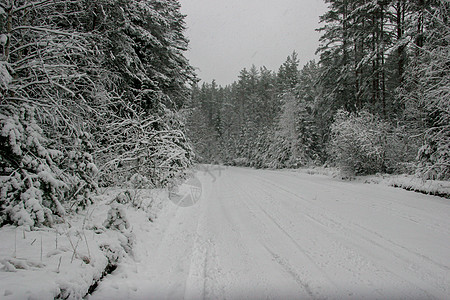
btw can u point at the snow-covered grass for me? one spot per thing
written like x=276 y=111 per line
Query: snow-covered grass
x=67 y=261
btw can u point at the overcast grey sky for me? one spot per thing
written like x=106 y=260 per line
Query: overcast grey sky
x=228 y=35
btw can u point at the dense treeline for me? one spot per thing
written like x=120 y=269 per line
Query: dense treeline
x=89 y=95
x=265 y=119
x=377 y=101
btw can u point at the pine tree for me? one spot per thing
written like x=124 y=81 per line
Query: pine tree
x=143 y=45
x=288 y=74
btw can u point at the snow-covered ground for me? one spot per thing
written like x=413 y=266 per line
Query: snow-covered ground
x=239 y=233
x=258 y=234
x=65 y=261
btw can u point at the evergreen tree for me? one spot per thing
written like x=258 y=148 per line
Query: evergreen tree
x=86 y=84
x=45 y=108
x=426 y=92
x=143 y=46
x=288 y=74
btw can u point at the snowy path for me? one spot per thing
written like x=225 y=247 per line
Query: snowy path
x=283 y=235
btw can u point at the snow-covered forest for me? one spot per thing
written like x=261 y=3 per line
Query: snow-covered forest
x=101 y=114
x=376 y=101
x=90 y=92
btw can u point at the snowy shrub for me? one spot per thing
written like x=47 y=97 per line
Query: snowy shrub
x=143 y=144
x=44 y=95
x=37 y=179
x=123 y=198
x=80 y=171
x=240 y=161
x=362 y=144
x=434 y=155
x=117 y=218
x=138 y=181
x=30 y=189
x=131 y=196
x=113 y=253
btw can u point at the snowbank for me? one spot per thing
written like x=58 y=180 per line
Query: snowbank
x=407 y=182
x=68 y=260
x=412 y=183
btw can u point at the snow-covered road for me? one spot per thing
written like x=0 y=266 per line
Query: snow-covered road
x=258 y=234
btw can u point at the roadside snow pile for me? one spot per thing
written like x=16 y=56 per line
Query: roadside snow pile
x=407 y=182
x=411 y=183
x=68 y=260
x=429 y=187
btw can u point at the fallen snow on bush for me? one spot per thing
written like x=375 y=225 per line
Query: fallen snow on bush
x=67 y=261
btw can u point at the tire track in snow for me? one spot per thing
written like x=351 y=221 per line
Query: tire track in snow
x=376 y=244
x=379 y=241
x=289 y=269
x=382 y=204
x=204 y=268
x=169 y=266
x=419 y=255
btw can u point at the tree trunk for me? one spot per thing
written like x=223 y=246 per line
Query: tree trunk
x=400 y=19
x=381 y=54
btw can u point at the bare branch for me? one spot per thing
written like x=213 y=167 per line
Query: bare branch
x=44 y=29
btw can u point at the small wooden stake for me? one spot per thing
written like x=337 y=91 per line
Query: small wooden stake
x=15 y=243
x=59 y=264
x=41 y=247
